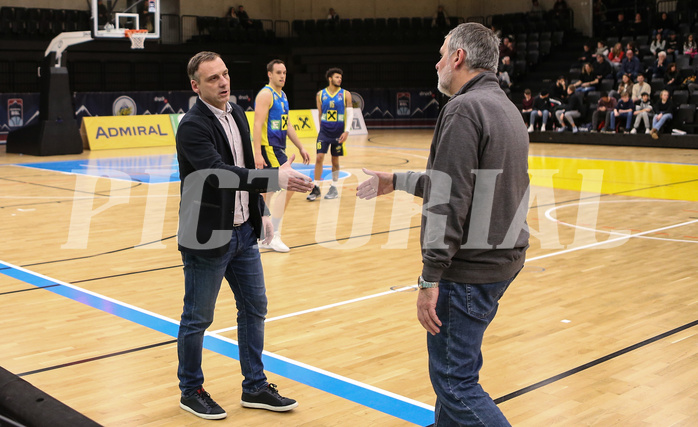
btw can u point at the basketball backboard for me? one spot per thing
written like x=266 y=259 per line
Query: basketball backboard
x=111 y=17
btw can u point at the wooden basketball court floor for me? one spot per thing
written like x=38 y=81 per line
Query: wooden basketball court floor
x=600 y=328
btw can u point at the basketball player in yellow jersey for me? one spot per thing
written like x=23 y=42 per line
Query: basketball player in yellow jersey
x=269 y=136
x=335 y=114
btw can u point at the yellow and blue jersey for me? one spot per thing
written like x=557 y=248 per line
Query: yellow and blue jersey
x=332 y=118
x=276 y=124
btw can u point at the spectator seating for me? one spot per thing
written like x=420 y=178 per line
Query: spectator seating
x=684 y=94
x=368 y=31
x=38 y=23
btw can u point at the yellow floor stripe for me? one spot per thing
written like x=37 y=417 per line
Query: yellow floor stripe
x=640 y=179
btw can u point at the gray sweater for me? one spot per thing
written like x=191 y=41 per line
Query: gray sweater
x=475 y=188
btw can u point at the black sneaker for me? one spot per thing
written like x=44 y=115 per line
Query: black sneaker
x=268 y=398
x=201 y=405
x=332 y=193
x=314 y=194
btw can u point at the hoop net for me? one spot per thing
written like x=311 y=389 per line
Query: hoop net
x=137 y=38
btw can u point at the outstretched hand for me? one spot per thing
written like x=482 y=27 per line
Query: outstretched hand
x=378 y=184
x=292 y=180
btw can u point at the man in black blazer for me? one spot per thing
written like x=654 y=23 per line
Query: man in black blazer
x=222 y=215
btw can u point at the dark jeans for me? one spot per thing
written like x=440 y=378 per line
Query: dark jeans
x=628 y=120
x=242 y=268
x=455 y=356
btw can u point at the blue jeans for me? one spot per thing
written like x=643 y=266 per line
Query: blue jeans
x=455 y=356
x=658 y=123
x=544 y=117
x=585 y=89
x=242 y=268
x=628 y=120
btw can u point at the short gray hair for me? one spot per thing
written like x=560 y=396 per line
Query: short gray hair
x=196 y=60
x=481 y=45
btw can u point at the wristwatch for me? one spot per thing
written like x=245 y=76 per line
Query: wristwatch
x=423 y=284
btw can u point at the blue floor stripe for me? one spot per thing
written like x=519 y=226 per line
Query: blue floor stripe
x=147 y=169
x=404 y=409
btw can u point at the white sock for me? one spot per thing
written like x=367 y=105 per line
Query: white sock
x=276 y=222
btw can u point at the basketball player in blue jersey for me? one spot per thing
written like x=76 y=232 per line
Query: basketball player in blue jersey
x=335 y=113
x=270 y=129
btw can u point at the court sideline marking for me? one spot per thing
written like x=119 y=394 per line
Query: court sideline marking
x=364 y=394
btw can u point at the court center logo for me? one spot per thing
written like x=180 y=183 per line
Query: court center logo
x=124 y=106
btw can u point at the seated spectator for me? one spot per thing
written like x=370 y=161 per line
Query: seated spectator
x=559 y=89
x=604 y=108
x=631 y=46
x=689 y=83
x=625 y=85
x=619 y=28
x=332 y=16
x=232 y=18
x=571 y=110
x=664 y=25
x=672 y=79
x=603 y=68
x=639 y=27
x=663 y=112
x=560 y=8
x=587 y=79
x=103 y=16
x=642 y=113
x=599 y=10
x=527 y=106
x=542 y=107
x=440 y=20
x=587 y=54
x=146 y=17
x=601 y=49
x=673 y=47
x=658 y=44
x=660 y=65
x=616 y=55
x=630 y=65
x=689 y=47
x=244 y=18
x=504 y=73
x=624 y=110
x=536 y=11
x=639 y=87
x=506 y=48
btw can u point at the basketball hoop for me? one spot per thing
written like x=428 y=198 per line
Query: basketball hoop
x=137 y=38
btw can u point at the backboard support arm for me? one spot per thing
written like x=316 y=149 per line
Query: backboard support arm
x=62 y=41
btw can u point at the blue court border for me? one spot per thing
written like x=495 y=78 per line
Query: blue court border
x=385 y=402
x=153 y=169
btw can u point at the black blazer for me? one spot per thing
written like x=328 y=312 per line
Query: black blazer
x=206 y=207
